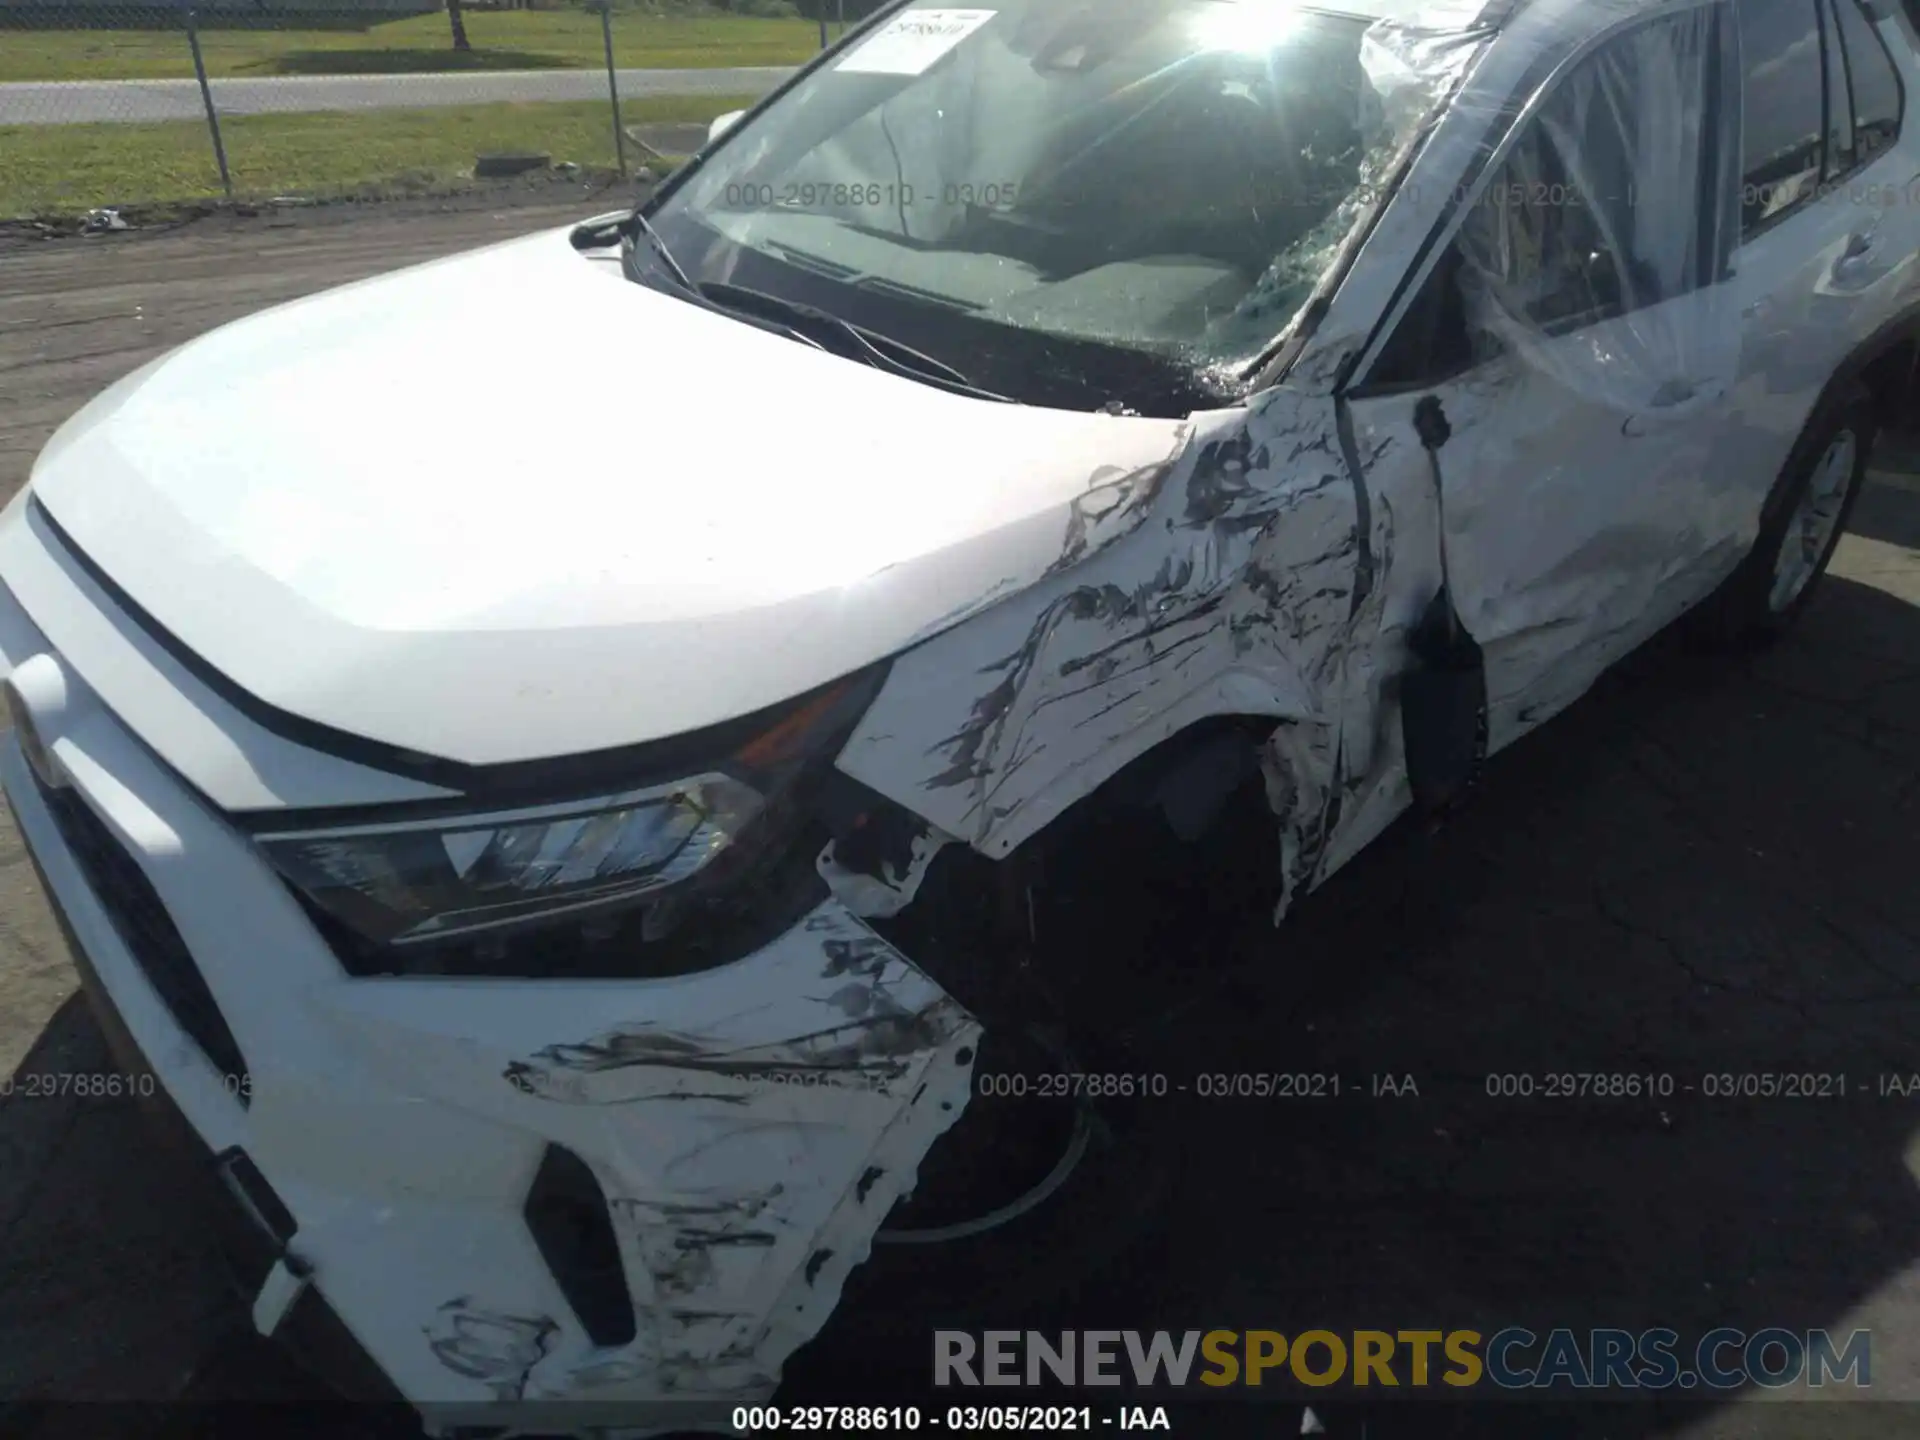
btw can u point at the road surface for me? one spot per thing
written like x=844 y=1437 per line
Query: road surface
x=77 y=102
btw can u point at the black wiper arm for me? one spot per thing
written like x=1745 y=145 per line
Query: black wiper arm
x=620 y=227
x=640 y=223
x=878 y=350
x=771 y=312
x=728 y=293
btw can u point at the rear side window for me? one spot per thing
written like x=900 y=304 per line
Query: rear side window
x=1785 y=108
x=1877 y=101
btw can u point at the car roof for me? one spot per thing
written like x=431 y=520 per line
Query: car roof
x=1439 y=14
x=1549 y=21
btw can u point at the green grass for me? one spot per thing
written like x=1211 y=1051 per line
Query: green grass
x=61 y=169
x=502 y=40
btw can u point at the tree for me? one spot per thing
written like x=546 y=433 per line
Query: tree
x=458 y=21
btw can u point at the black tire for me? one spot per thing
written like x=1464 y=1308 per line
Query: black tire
x=1741 y=615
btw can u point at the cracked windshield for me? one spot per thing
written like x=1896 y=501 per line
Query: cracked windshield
x=1079 y=202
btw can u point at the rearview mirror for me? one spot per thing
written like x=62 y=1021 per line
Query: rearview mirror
x=721 y=124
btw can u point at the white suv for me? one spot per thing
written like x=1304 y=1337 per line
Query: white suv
x=497 y=836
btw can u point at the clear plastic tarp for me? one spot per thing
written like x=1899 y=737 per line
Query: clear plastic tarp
x=1410 y=69
x=1414 y=65
x=1599 y=251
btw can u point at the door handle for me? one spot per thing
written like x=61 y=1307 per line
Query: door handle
x=1675 y=401
x=1857 y=257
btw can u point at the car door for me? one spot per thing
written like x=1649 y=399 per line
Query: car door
x=1578 y=330
x=1829 y=226
x=1896 y=181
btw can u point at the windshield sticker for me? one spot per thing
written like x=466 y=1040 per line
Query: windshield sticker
x=910 y=43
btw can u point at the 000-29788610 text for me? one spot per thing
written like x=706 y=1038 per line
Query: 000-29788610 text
x=870 y=1419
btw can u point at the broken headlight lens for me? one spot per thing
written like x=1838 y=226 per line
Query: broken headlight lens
x=425 y=880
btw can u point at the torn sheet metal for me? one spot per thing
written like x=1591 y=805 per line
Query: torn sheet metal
x=1569 y=542
x=878 y=896
x=498 y=1350
x=750 y=1138
x=1239 y=594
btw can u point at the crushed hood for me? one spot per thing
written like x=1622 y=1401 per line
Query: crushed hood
x=508 y=506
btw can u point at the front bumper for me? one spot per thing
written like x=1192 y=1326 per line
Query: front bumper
x=310 y=1330
x=748 y=1128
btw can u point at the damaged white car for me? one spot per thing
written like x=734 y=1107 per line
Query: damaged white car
x=503 y=837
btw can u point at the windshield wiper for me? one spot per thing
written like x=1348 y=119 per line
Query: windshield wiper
x=640 y=223
x=620 y=227
x=866 y=345
x=772 y=312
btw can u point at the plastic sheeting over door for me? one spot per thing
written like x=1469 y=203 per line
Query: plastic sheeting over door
x=1619 y=196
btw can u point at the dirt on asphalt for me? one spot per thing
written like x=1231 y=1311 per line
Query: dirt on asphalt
x=1702 y=870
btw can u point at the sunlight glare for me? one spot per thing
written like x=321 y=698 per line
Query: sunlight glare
x=1252 y=27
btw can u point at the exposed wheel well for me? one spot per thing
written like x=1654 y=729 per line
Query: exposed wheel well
x=1892 y=377
x=1151 y=786
x=1112 y=873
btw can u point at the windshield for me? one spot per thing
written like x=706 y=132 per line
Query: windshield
x=1076 y=202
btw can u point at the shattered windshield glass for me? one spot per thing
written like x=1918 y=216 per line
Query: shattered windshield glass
x=1079 y=196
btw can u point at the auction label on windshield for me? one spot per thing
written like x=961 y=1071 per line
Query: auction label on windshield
x=912 y=41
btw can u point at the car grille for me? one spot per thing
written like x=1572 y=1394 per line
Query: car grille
x=141 y=920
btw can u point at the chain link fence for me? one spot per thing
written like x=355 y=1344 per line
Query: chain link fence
x=106 y=109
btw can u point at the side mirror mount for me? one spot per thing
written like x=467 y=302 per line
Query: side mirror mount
x=721 y=124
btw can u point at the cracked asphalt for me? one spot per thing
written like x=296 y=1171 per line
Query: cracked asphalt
x=1703 y=869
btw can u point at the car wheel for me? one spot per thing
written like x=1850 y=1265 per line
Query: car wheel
x=1799 y=528
x=1030 y=1196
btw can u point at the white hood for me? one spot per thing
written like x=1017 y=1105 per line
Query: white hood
x=508 y=505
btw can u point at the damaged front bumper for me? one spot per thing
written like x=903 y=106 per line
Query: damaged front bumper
x=636 y=1196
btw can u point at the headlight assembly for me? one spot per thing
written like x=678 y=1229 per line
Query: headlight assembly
x=433 y=879
x=582 y=886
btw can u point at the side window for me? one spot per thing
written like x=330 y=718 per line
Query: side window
x=1877 y=100
x=1536 y=231
x=1602 y=206
x=1784 y=97
x=1433 y=341
x=1606 y=202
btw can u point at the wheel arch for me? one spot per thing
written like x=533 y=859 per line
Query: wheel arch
x=1235 y=703
x=1887 y=363
x=1891 y=374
